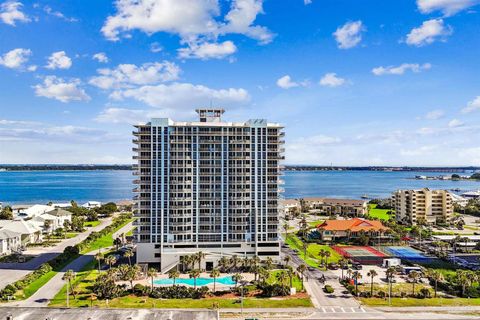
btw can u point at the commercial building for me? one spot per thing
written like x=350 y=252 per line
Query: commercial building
x=209 y=186
x=336 y=230
x=422 y=206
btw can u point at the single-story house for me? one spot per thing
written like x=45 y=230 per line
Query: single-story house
x=290 y=205
x=350 y=229
x=30 y=233
x=9 y=241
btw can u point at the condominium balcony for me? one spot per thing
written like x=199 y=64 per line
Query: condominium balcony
x=141 y=157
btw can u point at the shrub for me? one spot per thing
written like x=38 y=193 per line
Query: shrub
x=328 y=289
x=381 y=294
x=179 y=292
x=274 y=290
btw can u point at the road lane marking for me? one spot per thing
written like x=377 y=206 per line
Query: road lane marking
x=333 y=309
x=324 y=311
x=343 y=310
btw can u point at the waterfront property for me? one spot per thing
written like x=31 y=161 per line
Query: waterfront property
x=352 y=229
x=422 y=206
x=328 y=206
x=208 y=186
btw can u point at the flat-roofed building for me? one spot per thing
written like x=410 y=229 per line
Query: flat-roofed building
x=329 y=206
x=209 y=186
x=422 y=205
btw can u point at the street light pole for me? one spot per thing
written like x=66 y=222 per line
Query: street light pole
x=68 y=306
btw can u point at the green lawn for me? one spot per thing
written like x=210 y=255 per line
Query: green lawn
x=297 y=283
x=86 y=278
x=413 y=302
x=105 y=241
x=91 y=223
x=381 y=214
x=315 y=223
x=313 y=249
x=30 y=289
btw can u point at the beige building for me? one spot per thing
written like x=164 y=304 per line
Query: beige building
x=209 y=186
x=423 y=205
x=329 y=206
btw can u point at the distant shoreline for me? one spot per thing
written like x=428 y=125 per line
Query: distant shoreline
x=87 y=167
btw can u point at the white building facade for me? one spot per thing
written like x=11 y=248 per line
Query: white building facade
x=207 y=186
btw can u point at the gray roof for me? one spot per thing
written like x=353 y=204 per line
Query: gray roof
x=8 y=234
x=58 y=212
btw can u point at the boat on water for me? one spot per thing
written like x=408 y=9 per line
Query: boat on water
x=365 y=196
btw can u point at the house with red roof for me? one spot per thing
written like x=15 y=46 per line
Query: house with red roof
x=335 y=230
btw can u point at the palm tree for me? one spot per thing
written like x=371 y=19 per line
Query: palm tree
x=223 y=263
x=237 y=277
x=215 y=273
x=349 y=273
x=327 y=255
x=287 y=259
x=435 y=276
x=152 y=273
x=173 y=274
x=356 y=276
x=322 y=254
x=263 y=275
x=390 y=274
x=194 y=274
x=269 y=263
x=372 y=274
x=305 y=248
x=99 y=258
x=128 y=254
x=286 y=226
x=200 y=256
x=234 y=262
x=343 y=263
x=110 y=261
x=69 y=276
x=465 y=278
x=255 y=266
x=414 y=276
x=132 y=274
x=301 y=269
x=183 y=262
x=281 y=277
x=290 y=274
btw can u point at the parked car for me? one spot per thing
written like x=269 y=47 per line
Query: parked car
x=333 y=266
x=357 y=266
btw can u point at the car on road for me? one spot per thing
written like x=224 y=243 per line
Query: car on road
x=333 y=266
x=357 y=266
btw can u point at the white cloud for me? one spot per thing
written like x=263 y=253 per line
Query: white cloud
x=127 y=75
x=401 y=69
x=130 y=116
x=100 y=57
x=429 y=32
x=349 y=35
x=473 y=105
x=435 y=114
x=191 y=20
x=59 y=60
x=207 y=50
x=48 y=10
x=454 y=123
x=61 y=90
x=178 y=96
x=331 y=80
x=16 y=58
x=286 y=82
x=241 y=17
x=10 y=12
x=155 y=47
x=307 y=2
x=447 y=7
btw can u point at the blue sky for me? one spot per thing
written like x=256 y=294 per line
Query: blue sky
x=354 y=82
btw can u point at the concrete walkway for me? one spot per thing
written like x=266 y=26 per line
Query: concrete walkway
x=42 y=297
x=11 y=272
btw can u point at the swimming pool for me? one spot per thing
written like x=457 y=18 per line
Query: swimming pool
x=200 y=281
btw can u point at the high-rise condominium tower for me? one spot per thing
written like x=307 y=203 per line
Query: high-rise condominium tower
x=208 y=186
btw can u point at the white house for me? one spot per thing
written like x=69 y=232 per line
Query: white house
x=92 y=204
x=29 y=232
x=34 y=211
x=9 y=241
x=61 y=216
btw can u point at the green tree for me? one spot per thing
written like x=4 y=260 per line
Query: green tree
x=414 y=276
x=129 y=254
x=194 y=274
x=110 y=261
x=282 y=278
x=287 y=260
x=237 y=277
x=6 y=213
x=372 y=274
x=173 y=274
x=215 y=273
x=301 y=270
x=69 y=276
x=234 y=260
x=343 y=262
x=435 y=276
x=199 y=257
x=269 y=263
x=99 y=258
x=356 y=276
x=152 y=273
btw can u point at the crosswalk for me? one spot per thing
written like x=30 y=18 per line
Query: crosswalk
x=341 y=309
